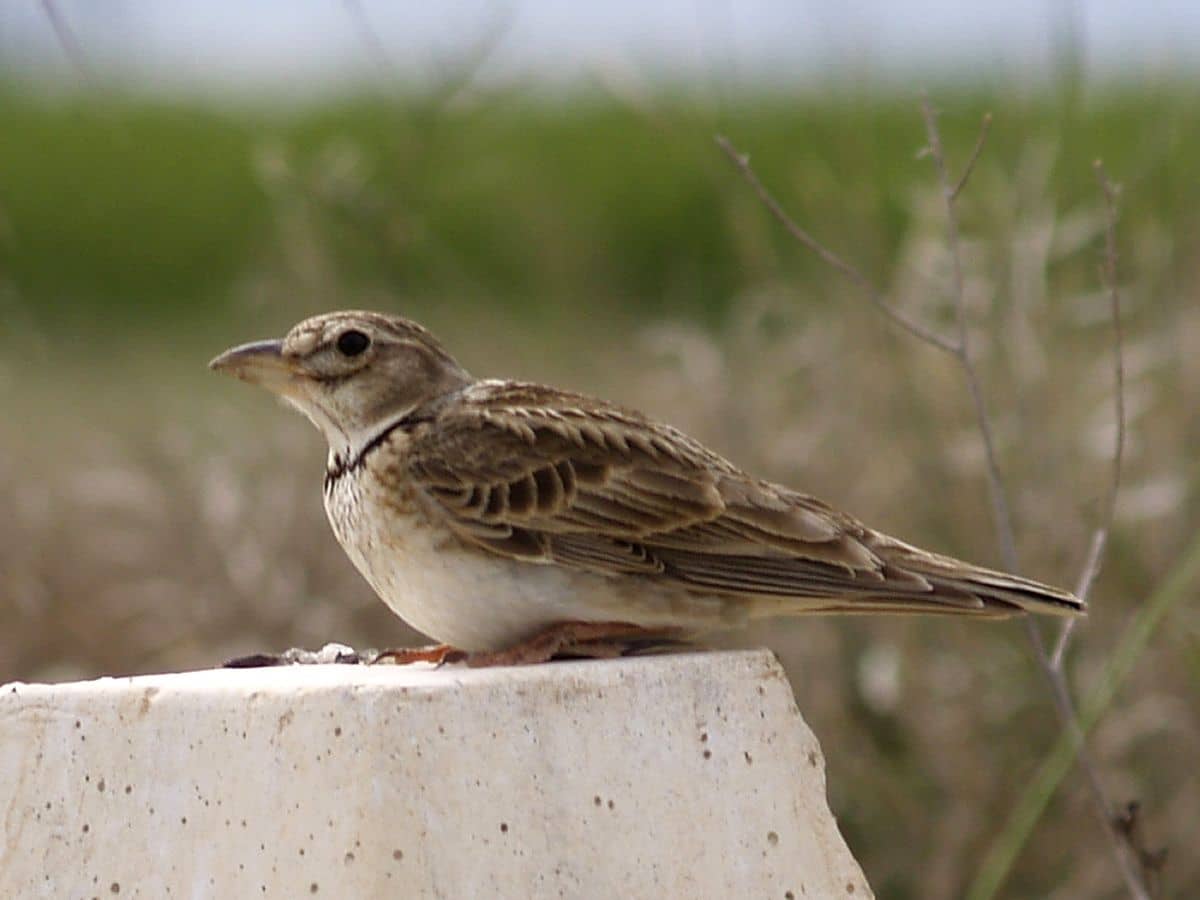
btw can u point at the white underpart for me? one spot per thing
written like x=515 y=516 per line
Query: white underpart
x=476 y=600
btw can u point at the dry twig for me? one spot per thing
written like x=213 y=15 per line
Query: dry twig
x=985 y=126
x=1176 y=586
x=742 y=161
x=1001 y=517
x=370 y=38
x=66 y=39
x=1129 y=824
x=1124 y=854
x=452 y=76
x=1059 y=690
x=1099 y=543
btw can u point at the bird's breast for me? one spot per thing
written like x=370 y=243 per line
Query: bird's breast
x=460 y=594
x=450 y=591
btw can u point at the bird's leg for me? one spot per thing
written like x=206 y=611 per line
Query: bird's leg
x=574 y=640
x=588 y=640
x=438 y=654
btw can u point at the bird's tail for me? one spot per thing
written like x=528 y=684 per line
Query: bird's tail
x=961 y=587
x=911 y=580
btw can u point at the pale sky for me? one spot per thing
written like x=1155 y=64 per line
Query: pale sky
x=282 y=44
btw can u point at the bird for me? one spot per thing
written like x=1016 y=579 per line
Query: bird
x=513 y=522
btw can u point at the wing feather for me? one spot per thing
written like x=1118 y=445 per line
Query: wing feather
x=533 y=473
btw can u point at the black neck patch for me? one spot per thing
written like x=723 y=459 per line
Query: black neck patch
x=340 y=466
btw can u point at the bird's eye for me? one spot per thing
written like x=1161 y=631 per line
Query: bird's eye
x=352 y=343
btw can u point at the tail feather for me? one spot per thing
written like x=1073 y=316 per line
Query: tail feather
x=900 y=579
x=914 y=581
x=1001 y=592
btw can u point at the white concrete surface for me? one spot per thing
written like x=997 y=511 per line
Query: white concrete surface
x=683 y=776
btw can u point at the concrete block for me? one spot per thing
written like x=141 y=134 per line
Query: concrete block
x=689 y=775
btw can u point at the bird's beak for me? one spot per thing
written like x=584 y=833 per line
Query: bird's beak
x=261 y=363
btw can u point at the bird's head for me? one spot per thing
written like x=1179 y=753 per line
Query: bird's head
x=351 y=373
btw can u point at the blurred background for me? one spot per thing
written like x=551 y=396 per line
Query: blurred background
x=538 y=183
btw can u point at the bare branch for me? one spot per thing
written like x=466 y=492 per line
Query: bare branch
x=66 y=39
x=370 y=38
x=1129 y=824
x=1104 y=808
x=458 y=73
x=1176 y=586
x=454 y=75
x=1114 y=299
x=1083 y=586
x=1001 y=517
x=742 y=162
x=1095 y=557
x=985 y=126
x=1125 y=853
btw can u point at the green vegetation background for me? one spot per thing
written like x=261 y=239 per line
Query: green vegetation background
x=146 y=212
x=157 y=517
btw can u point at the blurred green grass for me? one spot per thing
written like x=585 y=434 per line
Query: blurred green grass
x=161 y=518
x=130 y=210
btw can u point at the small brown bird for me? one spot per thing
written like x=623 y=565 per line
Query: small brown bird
x=516 y=522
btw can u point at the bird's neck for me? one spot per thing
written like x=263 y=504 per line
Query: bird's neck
x=351 y=451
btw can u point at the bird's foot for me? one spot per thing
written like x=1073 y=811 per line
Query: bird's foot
x=564 y=640
x=438 y=654
x=580 y=640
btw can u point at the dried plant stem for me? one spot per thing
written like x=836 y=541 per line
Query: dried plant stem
x=1179 y=584
x=455 y=75
x=1108 y=271
x=1075 y=732
x=742 y=161
x=985 y=127
x=66 y=39
x=960 y=349
x=370 y=38
x=1002 y=516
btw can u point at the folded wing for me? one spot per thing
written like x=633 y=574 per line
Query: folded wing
x=552 y=477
